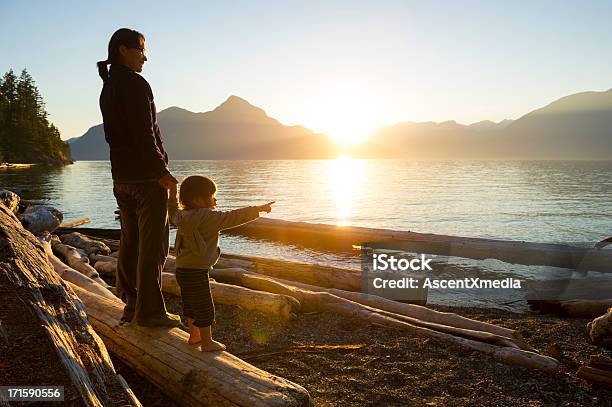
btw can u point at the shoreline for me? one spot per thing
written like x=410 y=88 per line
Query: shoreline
x=15 y=165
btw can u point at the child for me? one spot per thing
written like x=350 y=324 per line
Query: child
x=197 y=250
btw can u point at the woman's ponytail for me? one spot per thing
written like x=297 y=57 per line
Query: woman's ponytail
x=103 y=70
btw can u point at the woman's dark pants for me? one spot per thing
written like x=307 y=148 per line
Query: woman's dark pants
x=143 y=249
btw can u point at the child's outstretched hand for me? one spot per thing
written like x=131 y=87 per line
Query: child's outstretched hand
x=267 y=208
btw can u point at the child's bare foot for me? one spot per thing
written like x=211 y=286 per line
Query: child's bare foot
x=194 y=341
x=212 y=346
x=194 y=333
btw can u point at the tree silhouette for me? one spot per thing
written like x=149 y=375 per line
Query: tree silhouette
x=26 y=135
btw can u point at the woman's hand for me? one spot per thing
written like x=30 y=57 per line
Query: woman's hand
x=267 y=208
x=173 y=190
x=167 y=181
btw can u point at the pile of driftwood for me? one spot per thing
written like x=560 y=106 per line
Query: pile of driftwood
x=244 y=282
x=38 y=310
x=57 y=282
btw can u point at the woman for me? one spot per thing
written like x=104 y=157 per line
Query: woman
x=141 y=179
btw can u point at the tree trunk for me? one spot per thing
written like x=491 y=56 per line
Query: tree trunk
x=187 y=375
x=41 y=316
x=275 y=304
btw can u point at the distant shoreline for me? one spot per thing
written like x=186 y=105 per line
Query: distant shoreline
x=15 y=165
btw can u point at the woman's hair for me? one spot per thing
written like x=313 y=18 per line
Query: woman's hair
x=123 y=36
x=195 y=186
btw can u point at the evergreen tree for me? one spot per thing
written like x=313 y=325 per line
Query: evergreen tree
x=8 y=97
x=26 y=135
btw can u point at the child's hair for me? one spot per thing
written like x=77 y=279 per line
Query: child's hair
x=195 y=186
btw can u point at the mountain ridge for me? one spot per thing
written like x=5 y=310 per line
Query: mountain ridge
x=577 y=126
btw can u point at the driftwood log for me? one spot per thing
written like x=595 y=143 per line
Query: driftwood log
x=185 y=374
x=572 y=308
x=76 y=260
x=76 y=222
x=571 y=297
x=509 y=350
x=374 y=301
x=41 y=316
x=106 y=267
x=69 y=274
x=316 y=275
x=343 y=238
x=600 y=330
x=601 y=362
x=41 y=218
x=598 y=372
x=595 y=376
x=322 y=276
x=81 y=241
x=274 y=304
x=323 y=301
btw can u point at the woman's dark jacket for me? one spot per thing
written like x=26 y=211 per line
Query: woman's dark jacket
x=130 y=127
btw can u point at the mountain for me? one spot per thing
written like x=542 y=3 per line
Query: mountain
x=234 y=130
x=578 y=126
x=488 y=125
x=430 y=140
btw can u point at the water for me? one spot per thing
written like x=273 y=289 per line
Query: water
x=540 y=201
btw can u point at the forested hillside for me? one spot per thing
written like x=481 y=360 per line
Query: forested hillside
x=26 y=135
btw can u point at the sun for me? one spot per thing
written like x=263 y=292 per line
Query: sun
x=349 y=123
x=348 y=113
x=349 y=132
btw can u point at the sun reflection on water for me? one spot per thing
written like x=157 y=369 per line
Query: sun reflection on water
x=344 y=174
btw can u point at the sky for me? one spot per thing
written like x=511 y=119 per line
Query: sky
x=332 y=66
